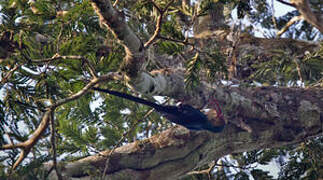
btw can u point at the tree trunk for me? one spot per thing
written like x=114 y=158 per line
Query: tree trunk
x=290 y=116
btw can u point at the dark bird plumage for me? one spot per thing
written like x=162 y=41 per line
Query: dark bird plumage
x=184 y=115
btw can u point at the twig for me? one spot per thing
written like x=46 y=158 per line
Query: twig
x=273 y=14
x=9 y=74
x=204 y=171
x=299 y=72
x=175 y=40
x=59 y=37
x=156 y=6
x=52 y=139
x=158 y=24
x=232 y=57
x=290 y=22
x=211 y=167
x=286 y=3
x=233 y=166
x=115 y=3
x=58 y=57
x=28 y=144
x=91 y=84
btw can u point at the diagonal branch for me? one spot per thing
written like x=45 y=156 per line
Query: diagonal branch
x=290 y=22
x=85 y=89
x=177 y=151
x=159 y=23
x=9 y=74
x=115 y=3
x=115 y=22
x=27 y=145
x=303 y=6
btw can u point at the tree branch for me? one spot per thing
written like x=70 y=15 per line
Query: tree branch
x=9 y=74
x=116 y=23
x=286 y=3
x=85 y=89
x=58 y=57
x=177 y=151
x=159 y=22
x=53 y=143
x=304 y=8
x=27 y=145
x=290 y=22
x=175 y=40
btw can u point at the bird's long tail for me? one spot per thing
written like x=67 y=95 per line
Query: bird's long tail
x=130 y=97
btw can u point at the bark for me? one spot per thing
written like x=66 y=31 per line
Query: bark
x=282 y=116
x=316 y=19
x=115 y=22
x=272 y=116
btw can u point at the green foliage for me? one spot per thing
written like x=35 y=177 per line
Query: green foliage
x=169 y=30
x=241 y=176
x=98 y=121
x=295 y=161
x=31 y=170
x=215 y=65
x=212 y=63
x=171 y=48
x=192 y=79
x=287 y=70
x=305 y=161
x=243 y=8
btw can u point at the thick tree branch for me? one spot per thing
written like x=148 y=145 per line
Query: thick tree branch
x=177 y=151
x=164 y=83
x=116 y=23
